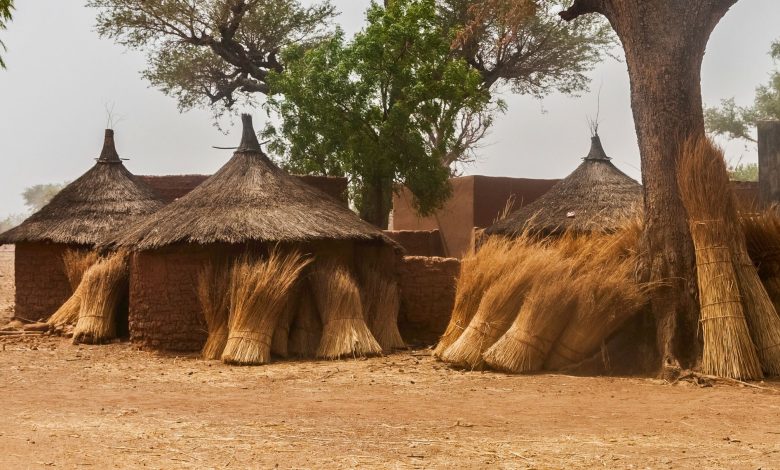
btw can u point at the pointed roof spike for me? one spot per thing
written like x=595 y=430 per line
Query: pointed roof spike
x=596 y=150
x=249 y=142
x=109 y=154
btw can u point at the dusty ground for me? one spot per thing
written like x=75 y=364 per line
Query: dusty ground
x=71 y=406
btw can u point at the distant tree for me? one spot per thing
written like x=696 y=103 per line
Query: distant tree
x=10 y=222
x=525 y=44
x=35 y=197
x=738 y=122
x=743 y=172
x=6 y=6
x=212 y=53
x=387 y=108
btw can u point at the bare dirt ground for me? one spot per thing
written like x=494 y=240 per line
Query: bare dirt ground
x=113 y=406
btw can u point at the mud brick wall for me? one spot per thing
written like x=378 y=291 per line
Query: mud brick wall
x=41 y=284
x=418 y=242
x=427 y=297
x=164 y=312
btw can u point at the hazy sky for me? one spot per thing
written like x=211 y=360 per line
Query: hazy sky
x=61 y=77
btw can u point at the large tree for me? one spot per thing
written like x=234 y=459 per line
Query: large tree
x=6 y=6
x=738 y=122
x=664 y=43
x=212 y=53
x=393 y=106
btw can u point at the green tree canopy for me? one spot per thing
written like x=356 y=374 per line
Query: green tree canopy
x=386 y=108
x=211 y=53
x=6 y=7
x=737 y=122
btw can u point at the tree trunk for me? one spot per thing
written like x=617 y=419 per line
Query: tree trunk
x=375 y=201
x=664 y=42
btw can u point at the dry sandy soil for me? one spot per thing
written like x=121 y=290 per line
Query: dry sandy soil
x=113 y=406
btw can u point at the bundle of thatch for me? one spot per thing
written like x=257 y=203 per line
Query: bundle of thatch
x=280 y=343
x=762 y=233
x=76 y=263
x=213 y=289
x=547 y=310
x=499 y=305
x=479 y=269
x=306 y=328
x=381 y=302
x=728 y=349
x=103 y=288
x=606 y=297
x=344 y=330
x=259 y=289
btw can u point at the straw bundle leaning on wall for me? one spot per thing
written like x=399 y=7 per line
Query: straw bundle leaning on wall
x=606 y=296
x=259 y=289
x=213 y=289
x=105 y=284
x=306 y=329
x=500 y=304
x=728 y=350
x=76 y=263
x=762 y=233
x=281 y=338
x=381 y=302
x=478 y=271
x=542 y=318
x=344 y=331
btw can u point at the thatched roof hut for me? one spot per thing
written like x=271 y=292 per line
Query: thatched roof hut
x=249 y=204
x=83 y=214
x=595 y=197
x=89 y=209
x=249 y=199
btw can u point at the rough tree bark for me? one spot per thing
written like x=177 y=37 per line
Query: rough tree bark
x=664 y=43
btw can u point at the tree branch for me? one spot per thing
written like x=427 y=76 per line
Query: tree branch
x=582 y=7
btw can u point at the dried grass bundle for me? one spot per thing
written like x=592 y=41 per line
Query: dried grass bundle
x=381 y=302
x=105 y=284
x=213 y=290
x=344 y=330
x=728 y=350
x=500 y=305
x=606 y=297
x=478 y=271
x=259 y=289
x=544 y=315
x=281 y=338
x=306 y=330
x=76 y=263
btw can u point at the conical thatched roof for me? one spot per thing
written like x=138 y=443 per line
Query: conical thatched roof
x=595 y=197
x=89 y=209
x=248 y=199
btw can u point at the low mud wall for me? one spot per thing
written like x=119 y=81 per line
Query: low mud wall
x=427 y=297
x=41 y=284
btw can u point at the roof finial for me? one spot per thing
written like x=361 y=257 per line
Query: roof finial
x=109 y=154
x=249 y=142
x=596 y=150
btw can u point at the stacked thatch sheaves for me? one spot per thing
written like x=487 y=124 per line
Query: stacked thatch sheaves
x=280 y=221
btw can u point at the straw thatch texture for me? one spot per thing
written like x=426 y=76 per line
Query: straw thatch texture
x=306 y=329
x=728 y=350
x=544 y=315
x=478 y=270
x=88 y=210
x=596 y=197
x=259 y=290
x=381 y=303
x=499 y=306
x=280 y=342
x=249 y=199
x=104 y=286
x=344 y=330
x=213 y=291
x=76 y=263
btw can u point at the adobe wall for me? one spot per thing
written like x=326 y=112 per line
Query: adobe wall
x=747 y=195
x=427 y=297
x=418 y=242
x=41 y=284
x=491 y=194
x=164 y=312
